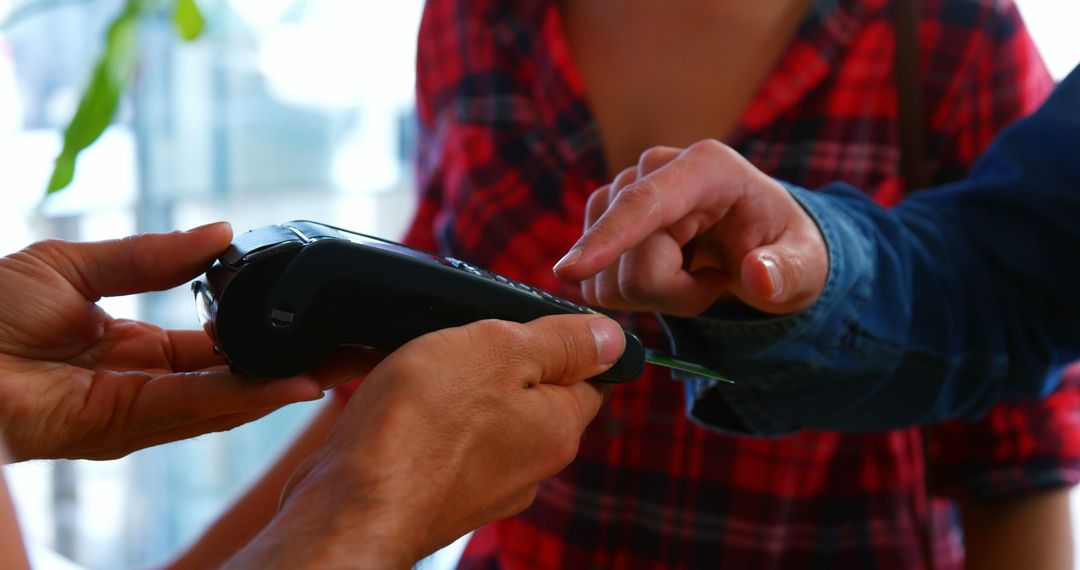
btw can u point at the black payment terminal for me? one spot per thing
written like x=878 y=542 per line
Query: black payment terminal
x=282 y=296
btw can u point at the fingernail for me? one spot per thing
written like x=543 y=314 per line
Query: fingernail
x=206 y=226
x=609 y=339
x=569 y=259
x=313 y=397
x=776 y=277
x=313 y=388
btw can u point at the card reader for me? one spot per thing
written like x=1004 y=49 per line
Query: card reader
x=282 y=296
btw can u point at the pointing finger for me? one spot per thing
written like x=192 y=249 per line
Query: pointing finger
x=654 y=202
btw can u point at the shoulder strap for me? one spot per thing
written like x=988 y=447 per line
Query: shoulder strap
x=915 y=172
x=909 y=90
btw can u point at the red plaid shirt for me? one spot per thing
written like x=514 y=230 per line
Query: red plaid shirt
x=509 y=153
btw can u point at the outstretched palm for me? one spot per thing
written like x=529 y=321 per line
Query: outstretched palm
x=76 y=383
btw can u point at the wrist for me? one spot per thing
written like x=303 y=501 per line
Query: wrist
x=317 y=530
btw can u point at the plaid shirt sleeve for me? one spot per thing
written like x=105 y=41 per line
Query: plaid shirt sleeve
x=1020 y=446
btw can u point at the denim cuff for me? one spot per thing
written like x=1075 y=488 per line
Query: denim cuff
x=773 y=359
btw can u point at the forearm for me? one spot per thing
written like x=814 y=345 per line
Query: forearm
x=362 y=513
x=1033 y=527
x=935 y=309
x=10 y=536
x=314 y=532
x=246 y=517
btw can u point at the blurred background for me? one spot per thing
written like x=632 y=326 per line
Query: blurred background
x=283 y=109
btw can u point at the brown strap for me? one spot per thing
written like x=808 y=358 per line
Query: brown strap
x=915 y=171
x=909 y=90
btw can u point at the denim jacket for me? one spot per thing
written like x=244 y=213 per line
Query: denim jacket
x=934 y=309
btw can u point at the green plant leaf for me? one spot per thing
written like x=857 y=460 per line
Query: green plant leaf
x=99 y=101
x=188 y=19
x=63 y=172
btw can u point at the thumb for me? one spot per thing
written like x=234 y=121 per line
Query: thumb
x=780 y=279
x=147 y=262
x=573 y=348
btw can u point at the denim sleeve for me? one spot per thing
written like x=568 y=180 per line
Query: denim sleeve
x=935 y=309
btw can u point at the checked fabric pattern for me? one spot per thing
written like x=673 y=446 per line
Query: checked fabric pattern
x=508 y=155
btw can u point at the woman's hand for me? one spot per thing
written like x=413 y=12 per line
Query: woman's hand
x=688 y=227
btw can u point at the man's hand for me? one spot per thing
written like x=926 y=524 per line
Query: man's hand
x=686 y=228
x=454 y=429
x=76 y=383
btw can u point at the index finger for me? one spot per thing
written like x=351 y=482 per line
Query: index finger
x=652 y=203
x=135 y=264
x=583 y=399
x=191 y=350
x=147 y=403
x=591 y=396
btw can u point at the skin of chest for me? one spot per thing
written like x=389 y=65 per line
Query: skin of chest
x=673 y=73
